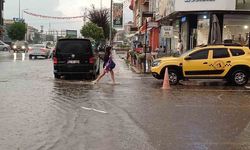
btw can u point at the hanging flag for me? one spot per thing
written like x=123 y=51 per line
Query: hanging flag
x=118 y=15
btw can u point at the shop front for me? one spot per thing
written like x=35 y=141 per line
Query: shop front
x=192 y=21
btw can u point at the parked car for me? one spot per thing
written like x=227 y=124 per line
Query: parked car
x=75 y=56
x=4 y=46
x=230 y=62
x=20 y=46
x=39 y=50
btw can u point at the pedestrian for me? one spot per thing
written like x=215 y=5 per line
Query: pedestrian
x=108 y=66
x=180 y=47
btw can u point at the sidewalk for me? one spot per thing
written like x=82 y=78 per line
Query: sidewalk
x=206 y=82
x=122 y=70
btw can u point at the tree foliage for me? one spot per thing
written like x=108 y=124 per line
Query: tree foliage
x=91 y=30
x=101 y=18
x=17 y=31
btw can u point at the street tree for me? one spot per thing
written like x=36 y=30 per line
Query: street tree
x=91 y=30
x=101 y=18
x=17 y=31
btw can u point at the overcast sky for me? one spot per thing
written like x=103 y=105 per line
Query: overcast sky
x=56 y=8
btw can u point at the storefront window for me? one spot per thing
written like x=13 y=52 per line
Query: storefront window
x=175 y=39
x=236 y=28
x=184 y=35
x=202 y=29
x=242 y=4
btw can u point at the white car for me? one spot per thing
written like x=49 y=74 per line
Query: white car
x=4 y=46
x=39 y=50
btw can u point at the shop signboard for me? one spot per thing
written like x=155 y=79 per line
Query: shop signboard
x=167 y=31
x=71 y=33
x=152 y=24
x=203 y=5
x=118 y=15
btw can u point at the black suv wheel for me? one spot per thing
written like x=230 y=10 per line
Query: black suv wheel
x=239 y=77
x=57 y=76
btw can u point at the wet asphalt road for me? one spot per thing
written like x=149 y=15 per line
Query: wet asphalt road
x=38 y=112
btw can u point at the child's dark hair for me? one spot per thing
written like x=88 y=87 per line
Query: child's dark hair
x=107 y=53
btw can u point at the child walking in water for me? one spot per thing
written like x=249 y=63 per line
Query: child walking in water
x=108 y=66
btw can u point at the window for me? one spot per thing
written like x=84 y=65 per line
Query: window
x=202 y=54
x=237 y=52
x=74 y=46
x=220 y=53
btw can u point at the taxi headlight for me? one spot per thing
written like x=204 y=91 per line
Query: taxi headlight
x=14 y=46
x=156 y=63
x=23 y=47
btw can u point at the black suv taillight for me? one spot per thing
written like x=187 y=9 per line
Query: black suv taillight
x=92 y=60
x=55 y=61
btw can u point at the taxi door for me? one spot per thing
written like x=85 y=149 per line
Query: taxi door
x=220 y=62
x=196 y=64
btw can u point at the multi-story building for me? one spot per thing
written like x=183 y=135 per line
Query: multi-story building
x=138 y=7
x=6 y=25
x=31 y=34
x=191 y=21
x=1 y=19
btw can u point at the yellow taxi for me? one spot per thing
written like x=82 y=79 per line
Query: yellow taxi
x=228 y=61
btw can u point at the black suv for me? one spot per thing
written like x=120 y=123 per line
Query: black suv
x=75 y=56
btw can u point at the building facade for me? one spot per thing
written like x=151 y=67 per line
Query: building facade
x=1 y=19
x=191 y=21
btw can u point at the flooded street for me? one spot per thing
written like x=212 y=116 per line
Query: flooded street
x=38 y=112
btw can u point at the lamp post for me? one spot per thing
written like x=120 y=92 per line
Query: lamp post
x=111 y=22
x=19 y=9
x=146 y=14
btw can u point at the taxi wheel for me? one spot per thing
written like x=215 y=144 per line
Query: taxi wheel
x=239 y=77
x=173 y=77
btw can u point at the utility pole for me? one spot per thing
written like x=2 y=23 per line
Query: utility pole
x=111 y=22
x=101 y=3
x=19 y=10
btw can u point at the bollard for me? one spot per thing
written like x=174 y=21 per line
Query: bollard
x=166 y=84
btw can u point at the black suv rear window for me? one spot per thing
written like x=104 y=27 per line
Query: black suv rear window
x=237 y=52
x=74 y=46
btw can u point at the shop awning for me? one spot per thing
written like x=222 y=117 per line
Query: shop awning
x=143 y=28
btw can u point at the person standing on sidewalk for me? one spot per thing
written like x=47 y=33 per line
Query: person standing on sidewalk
x=180 y=46
x=108 y=66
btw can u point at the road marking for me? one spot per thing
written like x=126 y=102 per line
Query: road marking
x=219 y=97
x=100 y=111
x=86 y=108
x=248 y=87
x=96 y=110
